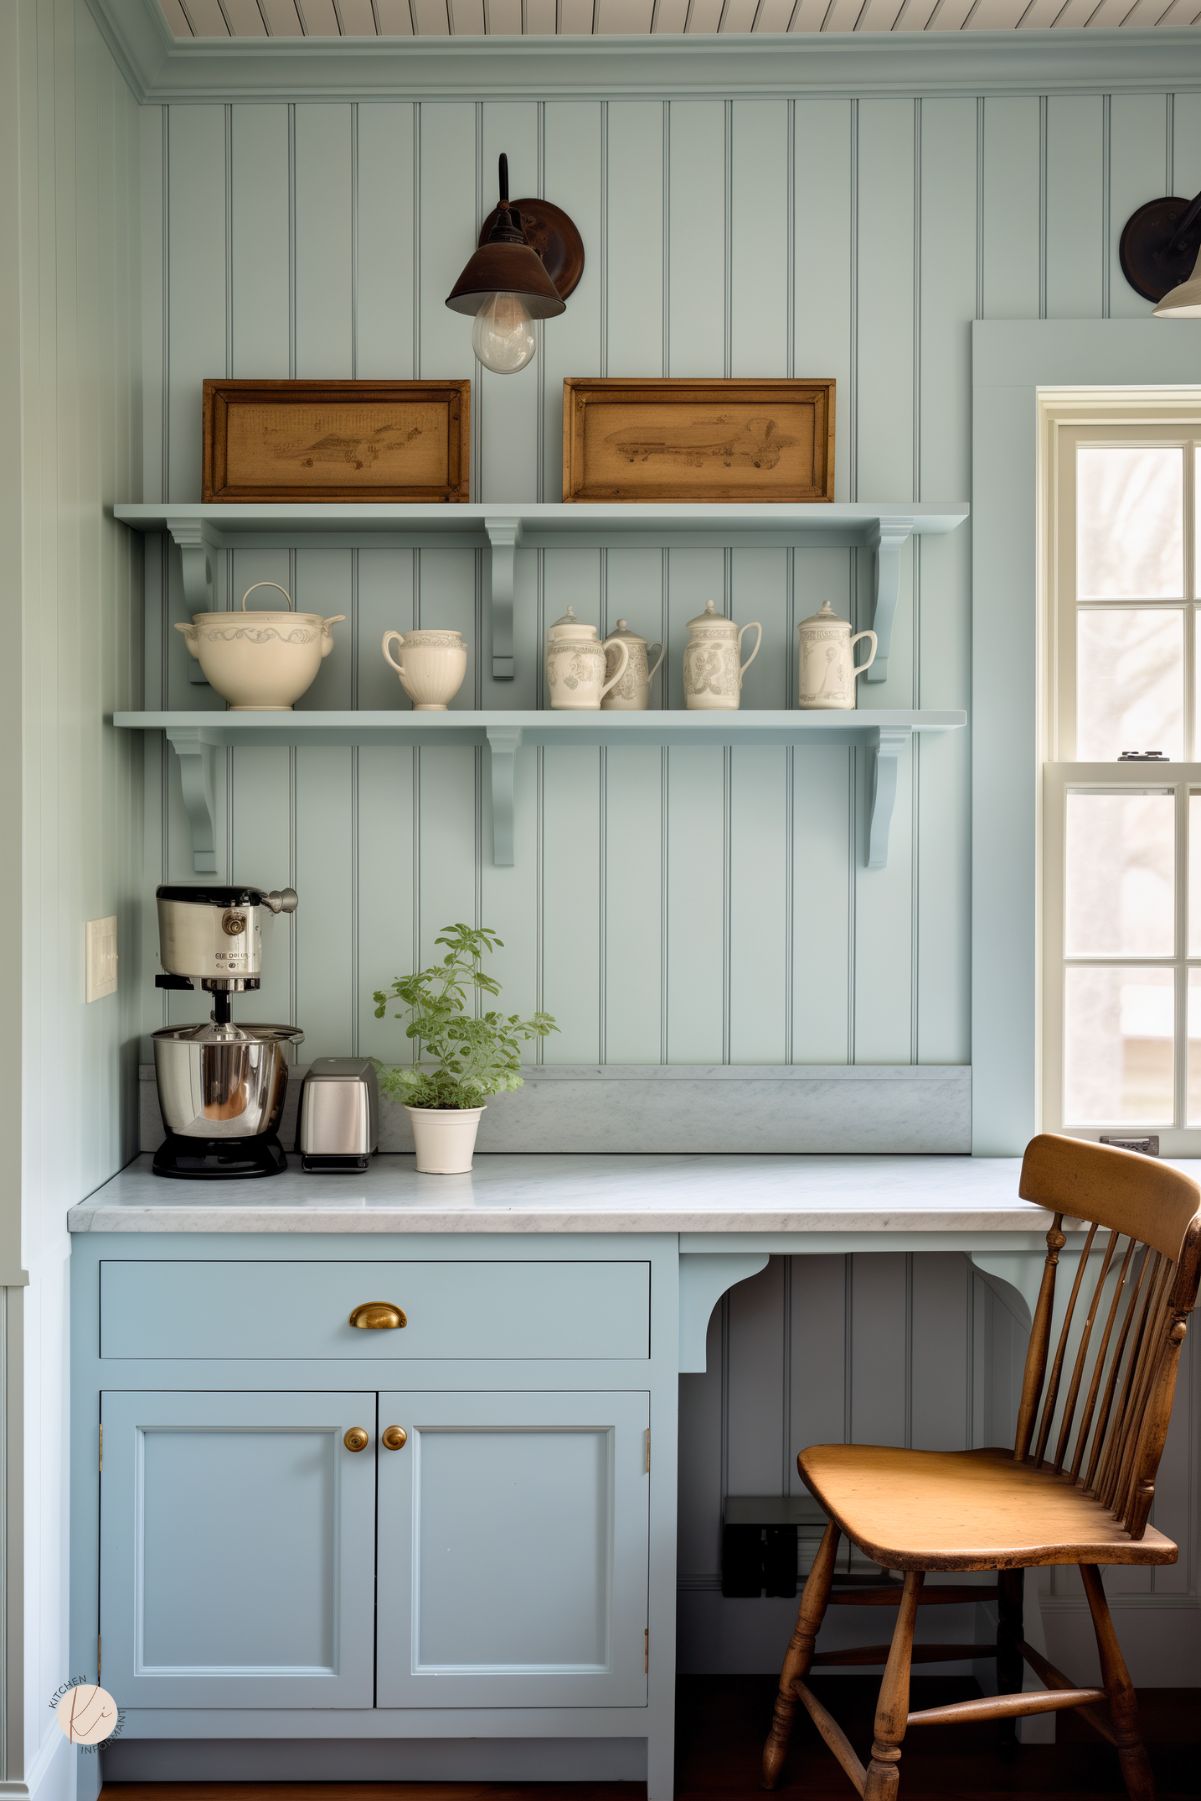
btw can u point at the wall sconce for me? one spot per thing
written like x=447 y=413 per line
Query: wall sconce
x=1160 y=254
x=529 y=259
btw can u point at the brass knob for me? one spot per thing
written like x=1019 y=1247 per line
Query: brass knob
x=378 y=1316
x=394 y=1438
x=356 y=1439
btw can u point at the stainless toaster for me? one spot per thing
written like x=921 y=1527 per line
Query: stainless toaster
x=339 y=1114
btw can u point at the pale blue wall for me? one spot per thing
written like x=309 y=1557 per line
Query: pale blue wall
x=73 y=630
x=699 y=906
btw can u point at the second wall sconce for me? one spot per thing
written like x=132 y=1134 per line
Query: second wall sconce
x=529 y=259
x=1160 y=254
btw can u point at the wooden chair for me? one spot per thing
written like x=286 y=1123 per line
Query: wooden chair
x=1076 y=1489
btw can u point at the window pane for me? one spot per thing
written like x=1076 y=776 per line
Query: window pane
x=1129 y=522
x=1120 y=867
x=1193 y=1102
x=1129 y=683
x=1117 y=1046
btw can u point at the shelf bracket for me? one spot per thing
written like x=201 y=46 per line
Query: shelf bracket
x=194 y=543
x=197 y=761
x=887 y=541
x=504 y=535
x=886 y=756
x=503 y=744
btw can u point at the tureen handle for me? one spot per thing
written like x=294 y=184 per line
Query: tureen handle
x=255 y=585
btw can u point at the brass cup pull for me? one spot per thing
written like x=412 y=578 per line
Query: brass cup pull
x=357 y=1438
x=378 y=1316
x=394 y=1438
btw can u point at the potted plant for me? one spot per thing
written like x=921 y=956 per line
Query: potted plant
x=465 y=1056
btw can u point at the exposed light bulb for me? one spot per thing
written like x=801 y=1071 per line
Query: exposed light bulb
x=503 y=334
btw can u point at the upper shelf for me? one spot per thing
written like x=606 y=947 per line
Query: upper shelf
x=197 y=530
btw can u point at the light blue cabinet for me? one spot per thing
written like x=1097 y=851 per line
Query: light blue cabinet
x=513 y=1551
x=237 y=1550
x=495 y=1595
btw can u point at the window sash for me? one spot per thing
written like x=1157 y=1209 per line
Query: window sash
x=1066 y=607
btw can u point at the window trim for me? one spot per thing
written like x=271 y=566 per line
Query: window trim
x=1015 y=363
x=1120 y=418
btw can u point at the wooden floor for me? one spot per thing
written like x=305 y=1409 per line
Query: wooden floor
x=722 y=1720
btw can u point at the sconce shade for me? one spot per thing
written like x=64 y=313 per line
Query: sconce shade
x=1183 y=302
x=506 y=268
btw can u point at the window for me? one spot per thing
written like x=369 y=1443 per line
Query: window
x=1121 y=925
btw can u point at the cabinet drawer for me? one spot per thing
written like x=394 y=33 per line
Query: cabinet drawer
x=279 y=1309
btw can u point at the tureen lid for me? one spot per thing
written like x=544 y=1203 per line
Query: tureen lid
x=826 y=616
x=712 y=617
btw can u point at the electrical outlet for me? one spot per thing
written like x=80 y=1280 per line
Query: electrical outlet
x=100 y=958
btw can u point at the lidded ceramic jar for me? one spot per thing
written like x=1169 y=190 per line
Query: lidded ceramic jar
x=576 y=675
x=712 y=670
x=826 y=669
x=632 y=693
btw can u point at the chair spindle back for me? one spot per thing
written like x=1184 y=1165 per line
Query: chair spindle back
x=1097 y=1407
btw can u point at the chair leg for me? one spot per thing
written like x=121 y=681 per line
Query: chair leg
x=892 y=1708
x=799 y=1655
x=1119 y=1691
x=1010 y=1667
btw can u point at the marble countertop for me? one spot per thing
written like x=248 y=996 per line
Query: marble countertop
x=560 y=1193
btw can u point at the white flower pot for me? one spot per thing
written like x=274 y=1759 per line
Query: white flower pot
x=444 y=1138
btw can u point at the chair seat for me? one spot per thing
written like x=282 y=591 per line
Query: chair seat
x=966 y=1510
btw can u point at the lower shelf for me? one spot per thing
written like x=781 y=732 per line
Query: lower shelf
x=197 y=737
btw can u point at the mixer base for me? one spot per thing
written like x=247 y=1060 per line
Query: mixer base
x=219 y=1159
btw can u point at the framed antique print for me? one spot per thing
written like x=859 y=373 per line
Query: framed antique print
x=709 y=440
x=337 y=440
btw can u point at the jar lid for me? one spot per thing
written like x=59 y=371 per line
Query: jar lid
x=712 y=617
x=623 y=629
x=826 y=616
x=570 y=626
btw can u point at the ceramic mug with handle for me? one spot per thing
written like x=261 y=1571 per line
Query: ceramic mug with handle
x=431 y=667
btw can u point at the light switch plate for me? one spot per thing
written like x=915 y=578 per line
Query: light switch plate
x=100 y=958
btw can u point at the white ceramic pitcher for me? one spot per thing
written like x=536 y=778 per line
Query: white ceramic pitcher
x=826 y=667
x=575 y=663
x=632 y=694
x=712 y=671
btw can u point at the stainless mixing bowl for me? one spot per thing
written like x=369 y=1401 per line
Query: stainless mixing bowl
x=223 y=1086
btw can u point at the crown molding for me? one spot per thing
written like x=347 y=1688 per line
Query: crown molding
x=159 y=67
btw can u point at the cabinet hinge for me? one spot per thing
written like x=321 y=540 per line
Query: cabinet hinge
x=100 y=1459
x=646 y=1650
x=647 y=1439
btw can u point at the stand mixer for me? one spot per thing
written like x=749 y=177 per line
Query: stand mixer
x=221 y=1085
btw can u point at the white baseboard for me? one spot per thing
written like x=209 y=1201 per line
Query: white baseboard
x=51 y=1774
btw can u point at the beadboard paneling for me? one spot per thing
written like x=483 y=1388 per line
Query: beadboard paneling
x=699 y=905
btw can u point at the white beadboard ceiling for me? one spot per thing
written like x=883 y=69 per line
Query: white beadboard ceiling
x=213 y=19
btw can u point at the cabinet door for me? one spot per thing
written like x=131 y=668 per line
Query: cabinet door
x=513 y=1551
x=237 y=1550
